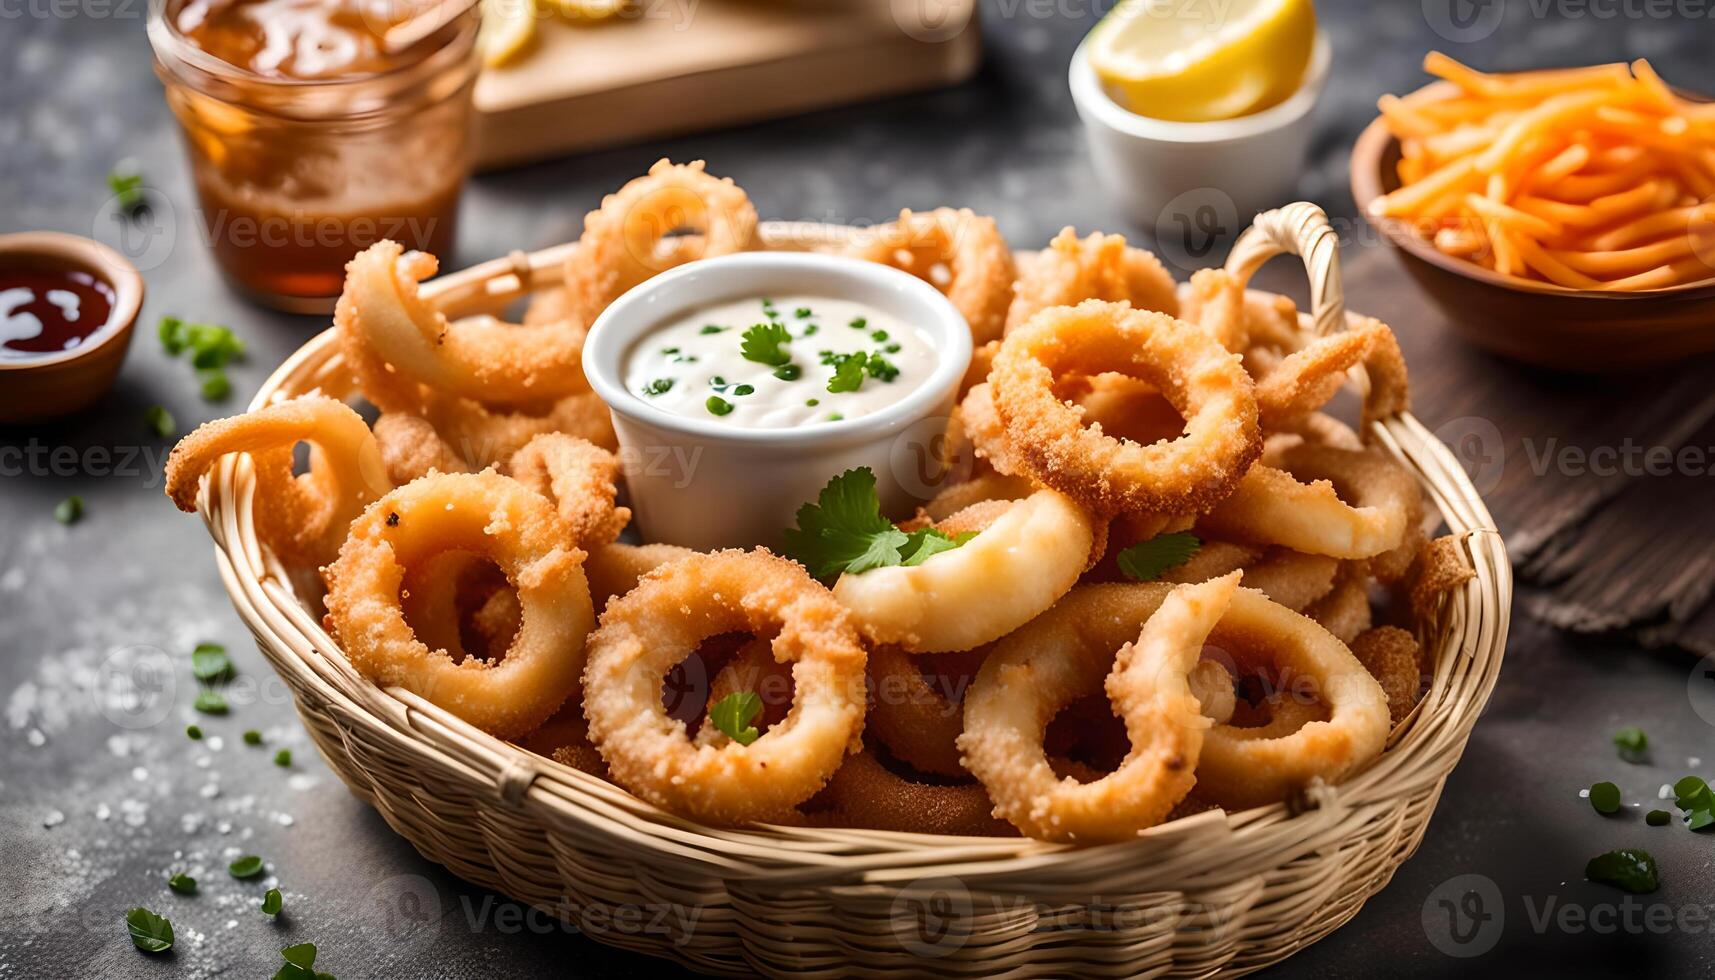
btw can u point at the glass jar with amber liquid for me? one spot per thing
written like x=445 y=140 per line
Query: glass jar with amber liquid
x=310 y=139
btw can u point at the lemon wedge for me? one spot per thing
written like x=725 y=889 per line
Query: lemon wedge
x=507 y=27
x=1192 y=61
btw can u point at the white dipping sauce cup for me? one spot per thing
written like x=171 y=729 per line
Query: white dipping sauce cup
x=1145 y=164
x=704 y=484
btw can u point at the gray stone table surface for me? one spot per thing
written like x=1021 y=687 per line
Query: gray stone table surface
x=102 y=795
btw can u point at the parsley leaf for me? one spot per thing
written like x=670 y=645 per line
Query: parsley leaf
x=150 y=933
x=210 y=703
x=765 y=343
x=283 y=758
x=734 y=713
x=1605 y=798
x=849 y=371
x=182 y=883
x=1631 y=869
x=69 y=510
x=925 y=544
x=248 y=866
x=844 y=531
x=1632 y=742
x=1146 y=560
x=1694 y=796
x=300 y=964
x=272 y=902
x=210 y=664
x=127 y=187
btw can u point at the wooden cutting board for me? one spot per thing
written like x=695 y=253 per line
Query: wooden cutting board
x=676 y=66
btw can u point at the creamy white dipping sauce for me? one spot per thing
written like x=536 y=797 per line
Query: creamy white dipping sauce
x=697 y=365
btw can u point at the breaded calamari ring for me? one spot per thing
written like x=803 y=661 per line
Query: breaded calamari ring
x=917 y=719
x=981 y=590
x=614 y=569
x=438 y=591
x=1345 y=610
x=410 y=447
x=1275 y=716
x=1035 y=672
x=1212 y=686
x=1215 y=301
x=1273 y=506
x=957 y=251
x=986 y=486
x=1439 y=568
x=1394 y=659
x=1306 y=379
x=581 y=478
x=1243 y=769
x=1097 y=266
x=981 y=423
x=566 y=739
x=1124 y=407
x=1201 y=378
x=303 y=518
x=489 y=515
x=488 y=436
x=644 y=633
x=477 y=357
x=627 y=240
x=865 y=793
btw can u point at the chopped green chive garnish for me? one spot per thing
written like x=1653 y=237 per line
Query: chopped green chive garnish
x=210 y=664
x=1605 y=797
x=159 y=421
x=744 y=390
x=272 y=902
x=713 y=328
x=881 y=368
x=252 y=737
x=810 y=330
x=660 y=386
x=802 y=313
x=1630 y=869
x=127 y=187
x=248 y=866
x=893 y=348
x=283 y=758
x=182 y=883
x=193 y=732
x=879 y=336
x=213 y=384
x=813 y=402
x=718 y=405
x=150 y=933
x=69 y=510
x=1657 y=818
x=212 y=347
x=788 y=372
x=859 y=323
x=835 y=417
x=734 y=713
x=1631 y=741
x=210 y=703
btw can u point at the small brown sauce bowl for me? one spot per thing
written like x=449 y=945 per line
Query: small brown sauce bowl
x=50 y=385
x=1536 y=322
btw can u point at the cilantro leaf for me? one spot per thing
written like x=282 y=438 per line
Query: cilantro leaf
x=849 y=371
x=248 y=866
x=923 y=545
x=300 y=964
x=182 y=883
x=1694 y=796
x=150 y=933
x=1146 y=560
x=272 y=902
x=1631 y=869
x=734 y=713
x=843 y=531
x=765 y=343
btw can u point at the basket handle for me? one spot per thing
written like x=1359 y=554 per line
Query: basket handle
x=1300 y=229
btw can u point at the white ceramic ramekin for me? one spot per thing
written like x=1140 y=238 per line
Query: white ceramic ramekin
x=703 y=484
x=1146 y=164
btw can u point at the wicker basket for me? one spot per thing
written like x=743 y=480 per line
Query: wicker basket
x=1218 y=892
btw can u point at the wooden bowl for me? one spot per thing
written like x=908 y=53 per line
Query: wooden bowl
x=59 y=384
x=1536 y=322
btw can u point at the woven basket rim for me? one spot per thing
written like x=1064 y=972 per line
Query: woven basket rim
x=1468 y=641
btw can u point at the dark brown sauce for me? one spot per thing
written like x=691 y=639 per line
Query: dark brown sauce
x=47 y=311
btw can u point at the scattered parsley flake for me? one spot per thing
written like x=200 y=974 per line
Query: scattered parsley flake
x=718 y=405
x=893 y=348
x=765 y=343
x=812 y=402
x=252 y=737
x=849 y=370
x=300 y=964
x=802 y=313
x=1632 y=743
x=734 y=713
x=810 y=330
x=193 y=732
x=859 y=323
x=213 y=384
x=660 y=386
x=1146 y=560
x=742 y=390
x=272 y=902
x=210 y=664
x=182 y=883
x=1605 y=797
x=210 y=703
x=788 y=372
x=158 y=420
x=248 y=866
x=1658 y=818
x=150 y=933
x=713 y=328
x=881 y=368
x=1631 y=869
x=283 y=758
x=69 y=510
x=879 y=336
x=126 y=183
x=1693 y=795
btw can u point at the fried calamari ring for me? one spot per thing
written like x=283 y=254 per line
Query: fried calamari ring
x=1072 y=269
x=627 y=240
x=1215 y=301
x=480 y=357
x=916 y=718
x=987 y=486
x=614 y=569
x=1124 y=407
x=1200 y=378
x=581 y=479
x=302 y=518
x=1345 y=610
x=1035 y=672
x=646 y=632
x=1305 y=380
x=436 y=594
x=1292 y=579
x=981 y=423
x=957 y=251
x=1394 y=659
x=981 y=590
x=1275 y=716
x=1243 y=770
x=1213 y=688
x=489 y=515
x=865 y=793
x=1272 y=506
x=566 y=739
x=1437 y=570
x=410 y=447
